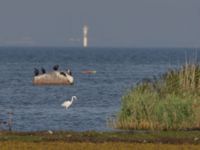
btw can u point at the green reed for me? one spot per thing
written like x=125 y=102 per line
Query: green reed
x=171 y=101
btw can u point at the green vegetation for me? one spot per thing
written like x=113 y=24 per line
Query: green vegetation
x=169 y=102
x=173 y=137
x=173 y=140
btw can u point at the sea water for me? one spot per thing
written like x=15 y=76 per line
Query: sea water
x=37 y=108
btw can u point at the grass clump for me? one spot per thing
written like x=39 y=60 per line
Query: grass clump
x=169 y=102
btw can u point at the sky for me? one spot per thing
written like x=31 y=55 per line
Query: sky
x=112 y=23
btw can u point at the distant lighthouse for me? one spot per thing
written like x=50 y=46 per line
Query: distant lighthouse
x=85 y=36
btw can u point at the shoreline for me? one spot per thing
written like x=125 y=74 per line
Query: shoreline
x=161 y=137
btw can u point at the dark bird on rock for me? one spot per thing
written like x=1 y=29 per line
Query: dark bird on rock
x=43 y=70
x=36 y=72
x=55 y=68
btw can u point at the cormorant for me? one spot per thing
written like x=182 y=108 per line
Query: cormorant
x=43 y=70
x=69 y=72
x=55 y=68
x=36 y=71
x=62 y=73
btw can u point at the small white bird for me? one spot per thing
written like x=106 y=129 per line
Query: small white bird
x=68 y=103
x=50 y=132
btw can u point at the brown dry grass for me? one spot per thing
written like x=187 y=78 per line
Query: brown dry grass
x=59 y=145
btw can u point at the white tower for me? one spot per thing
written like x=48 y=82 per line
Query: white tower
x=85 y=36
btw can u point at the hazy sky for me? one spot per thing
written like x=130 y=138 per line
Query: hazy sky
x=115 y=23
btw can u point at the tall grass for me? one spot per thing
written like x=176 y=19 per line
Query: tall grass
x=171 y=101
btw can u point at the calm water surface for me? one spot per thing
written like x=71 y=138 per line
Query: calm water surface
x=99 y=95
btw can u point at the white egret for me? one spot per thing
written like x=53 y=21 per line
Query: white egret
x=68 y=103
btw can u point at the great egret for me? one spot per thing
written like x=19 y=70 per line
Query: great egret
x=68 y=103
